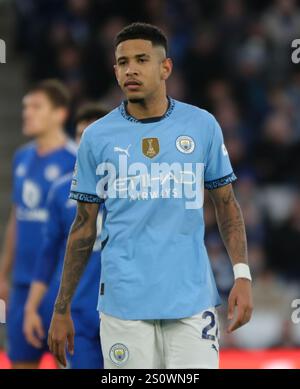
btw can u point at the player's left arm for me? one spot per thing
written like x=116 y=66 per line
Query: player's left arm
x=232 y=229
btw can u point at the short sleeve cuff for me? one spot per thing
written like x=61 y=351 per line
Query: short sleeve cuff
x=218 y=183
x=85 y=197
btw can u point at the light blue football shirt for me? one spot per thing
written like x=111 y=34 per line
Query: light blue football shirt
x=151 y=175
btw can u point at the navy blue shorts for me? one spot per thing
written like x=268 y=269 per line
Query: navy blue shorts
x=19 y=350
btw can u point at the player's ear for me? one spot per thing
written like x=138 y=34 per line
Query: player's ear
x=166 y=68
x=62 y=114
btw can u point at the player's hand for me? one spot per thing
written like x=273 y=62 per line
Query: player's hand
x=61 y=334
x=33 y=328
x=240 y=304
x=4 y=289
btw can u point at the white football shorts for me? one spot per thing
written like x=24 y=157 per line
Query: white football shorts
x=188 y=343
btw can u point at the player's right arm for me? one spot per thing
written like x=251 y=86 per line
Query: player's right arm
x=79 y=247
x=7 y=255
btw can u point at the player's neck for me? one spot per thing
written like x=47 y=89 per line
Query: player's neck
x=50 y=141
x=152 y=107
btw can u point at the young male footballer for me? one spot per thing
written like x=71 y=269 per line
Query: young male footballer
x=149 y=161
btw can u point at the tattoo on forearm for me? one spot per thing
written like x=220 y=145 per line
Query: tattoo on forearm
x=77 y=255
x=233 y=234
x=232 y=228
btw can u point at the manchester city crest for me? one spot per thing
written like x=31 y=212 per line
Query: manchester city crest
x=119 y=354
x=185 y=144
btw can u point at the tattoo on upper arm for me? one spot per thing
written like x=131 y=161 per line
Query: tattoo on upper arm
x=81 y=217
x=228 y=198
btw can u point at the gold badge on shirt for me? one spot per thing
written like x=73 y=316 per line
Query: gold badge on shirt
x=150 y=147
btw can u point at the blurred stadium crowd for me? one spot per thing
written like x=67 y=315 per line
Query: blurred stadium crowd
x=232 y=58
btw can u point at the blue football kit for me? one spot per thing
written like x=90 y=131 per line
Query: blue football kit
x=33 y=175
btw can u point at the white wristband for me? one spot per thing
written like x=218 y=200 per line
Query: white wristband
x=241 y=270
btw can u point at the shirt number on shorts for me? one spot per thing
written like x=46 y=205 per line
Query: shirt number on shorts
x=209 y=326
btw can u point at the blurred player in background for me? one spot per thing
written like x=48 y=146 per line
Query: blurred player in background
x=48 y=270
x=36 y=166
x=149 y=161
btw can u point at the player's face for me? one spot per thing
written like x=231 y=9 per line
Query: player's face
x=141 y=68
x=39 y=115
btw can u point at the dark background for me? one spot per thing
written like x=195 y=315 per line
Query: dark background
x=232 y=58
